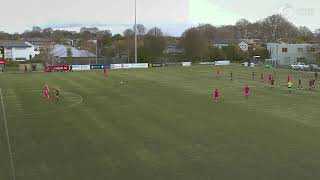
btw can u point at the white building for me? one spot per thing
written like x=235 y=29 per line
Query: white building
x=173 y=49
x=287 y=54
x=61 y=51
x=18 y=50
x=39 y=43
x=220 y=43
x=244 y=44
x=92 y=30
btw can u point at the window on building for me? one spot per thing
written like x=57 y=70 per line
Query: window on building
x=21 y=59
x=300 y=50
x=284 y=49
x=301 y=59
x=287 y=60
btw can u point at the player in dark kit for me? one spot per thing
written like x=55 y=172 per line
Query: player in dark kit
x=57 y=94
x=312 y=84
x=218 y=74
x=253 y=75
x=272 y=83
x=300 y=84
x=231 y=76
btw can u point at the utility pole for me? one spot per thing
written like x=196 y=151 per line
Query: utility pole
x=97 y=51
x=135 y=32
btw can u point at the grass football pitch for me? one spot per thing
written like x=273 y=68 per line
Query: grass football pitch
x=159 y=124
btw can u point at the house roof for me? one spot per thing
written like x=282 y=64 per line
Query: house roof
x=13 y=43
x=225 y=41
x=62 y=52
x=247 y=41
x=234 y=41
x=38 y=40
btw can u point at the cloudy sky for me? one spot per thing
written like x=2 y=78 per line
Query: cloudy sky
x=171 y=15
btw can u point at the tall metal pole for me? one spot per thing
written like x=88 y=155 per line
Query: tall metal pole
x=97 y=51
x=135 y=33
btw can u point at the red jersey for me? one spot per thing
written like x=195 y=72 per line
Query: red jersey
x=216 y=94
x=247 y=89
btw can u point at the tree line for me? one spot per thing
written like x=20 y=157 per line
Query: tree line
x=195 y=43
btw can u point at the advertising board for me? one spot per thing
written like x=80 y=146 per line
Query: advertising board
x=81 y=67
x=186 y=64
x=222 y=63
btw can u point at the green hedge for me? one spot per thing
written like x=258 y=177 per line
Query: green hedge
x=12 y=64
x=31 y=62
x=17 y=63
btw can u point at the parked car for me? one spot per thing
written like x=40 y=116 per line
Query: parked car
x=314 y=68
x=300 y=66
x=247 y=64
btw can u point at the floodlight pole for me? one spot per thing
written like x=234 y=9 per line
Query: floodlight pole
x=135 y=32
x=97 y=51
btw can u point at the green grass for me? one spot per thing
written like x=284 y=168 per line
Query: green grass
x=160 y=124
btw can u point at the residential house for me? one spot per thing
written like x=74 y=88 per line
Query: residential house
x=71 y=42
x=61 y=51
x=287 y=54
x=220 y=43
x=172 y=48
x=93 y=30
x=18 y=50
x=39 y=43
x=244 y=44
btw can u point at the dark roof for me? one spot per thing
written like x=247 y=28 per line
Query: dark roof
x=38 y=40
x=13 y=43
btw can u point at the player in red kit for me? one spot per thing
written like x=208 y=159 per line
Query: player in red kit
x=247 y=91
x=216 y=95
x=105 y=72
x=270 y=78
x=46 y=91
x=262 y=77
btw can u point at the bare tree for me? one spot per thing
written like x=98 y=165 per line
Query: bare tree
x=242 y=27
x=141 y=29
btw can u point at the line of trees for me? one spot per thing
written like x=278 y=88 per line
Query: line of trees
x=196 y=42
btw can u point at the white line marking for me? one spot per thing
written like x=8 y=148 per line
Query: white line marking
x=8 y=138
x=57 y=110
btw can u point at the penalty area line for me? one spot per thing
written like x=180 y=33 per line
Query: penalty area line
x=8 y=138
